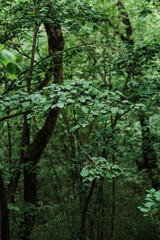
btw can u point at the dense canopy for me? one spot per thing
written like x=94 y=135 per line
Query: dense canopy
x=79 y=115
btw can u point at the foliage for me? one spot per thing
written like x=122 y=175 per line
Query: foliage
x=151 y=208
x=7 y=59
x=98 y=168
x=104 y=151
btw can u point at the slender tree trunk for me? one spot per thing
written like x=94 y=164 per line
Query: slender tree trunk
x=84 y=211
x=4 y=215
x=126 y=21
x=113 y=205
x=93 y=220
x=148 y=153
x=100 y=211
x=35 y=150
x=29 y=173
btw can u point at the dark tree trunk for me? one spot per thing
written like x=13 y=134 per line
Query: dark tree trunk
x=4 y=215
x=148 y=153
x=84 y=211
x=35 y=150
x=126 y=21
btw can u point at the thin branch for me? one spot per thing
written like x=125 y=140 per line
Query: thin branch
x=35 y=32
x=13 y=115
x=128 y=78
x=84 y=150
x=43 y=59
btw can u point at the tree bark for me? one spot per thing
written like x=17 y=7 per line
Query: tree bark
x=127 y=23
x=149 y=155
x=4 y=215
x=35 y=150
x=84 y=211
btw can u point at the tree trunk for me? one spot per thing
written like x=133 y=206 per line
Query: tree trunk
x=35 y=150
x=84 y=211
x=148 y=153
x=4 y=215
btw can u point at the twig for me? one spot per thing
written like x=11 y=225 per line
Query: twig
x=43 y=59
x=84 y=150
x=13 y=115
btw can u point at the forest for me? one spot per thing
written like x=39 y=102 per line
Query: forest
x=80 y=120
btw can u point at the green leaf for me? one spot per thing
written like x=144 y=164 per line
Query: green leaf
x=1 y=46
x=149 y=204
x=74 y=91
x=1 y=65
x=36 y=97
x=70 y=100
x=91 y=178
x=68 y=87
x=85 y=124
x=46 y=107
x=26 y=104
x=11 y=76
x=157 y=195
x=85 y=109
x=6 y=57
x=146 y=215
x=11 y=206
x=73 y=129
x=143 y=209
x=82 y=100
x=29 y=116
x=114 y=110
x=14 y=68
x=84 y=172
x=60 y=105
